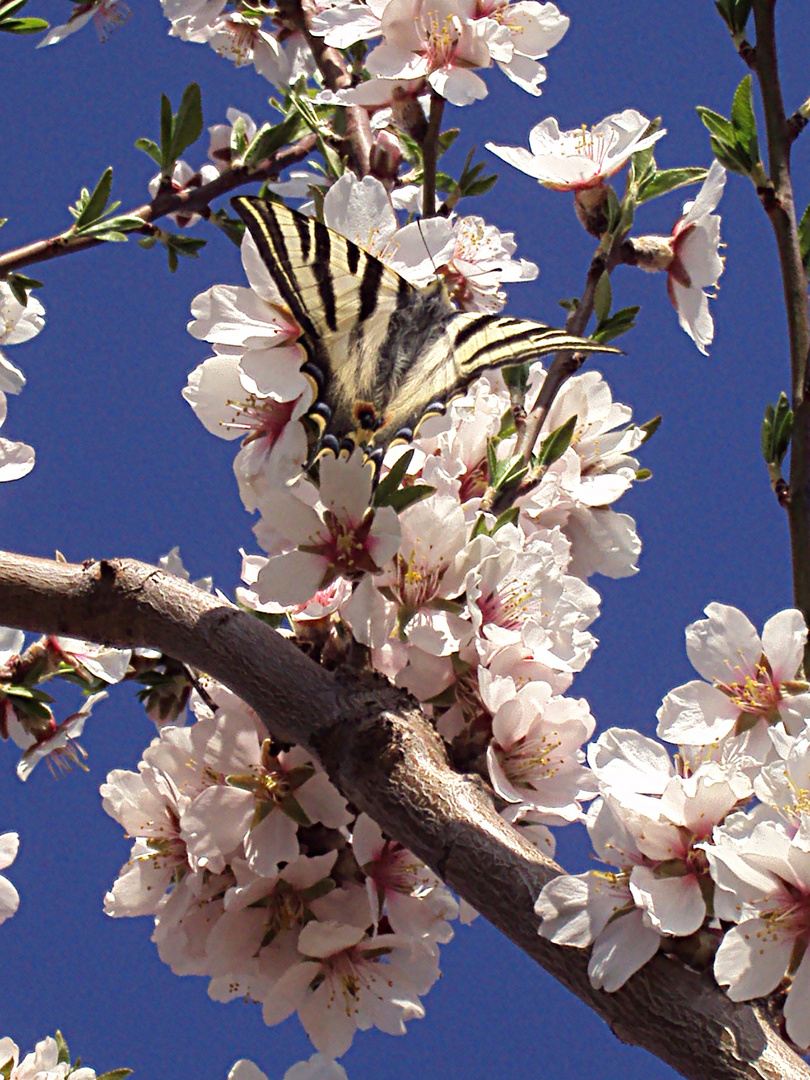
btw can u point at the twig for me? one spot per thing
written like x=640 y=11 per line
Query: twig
x=430 y=155
x=777 y=200
x=193 y=200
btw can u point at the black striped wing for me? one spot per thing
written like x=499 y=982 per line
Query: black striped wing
x=380 y=352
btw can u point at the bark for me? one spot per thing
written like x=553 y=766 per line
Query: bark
x=387 y=759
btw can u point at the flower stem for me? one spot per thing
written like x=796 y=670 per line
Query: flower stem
x=430 y=155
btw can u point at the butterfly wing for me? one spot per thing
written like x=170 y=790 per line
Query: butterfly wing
x=343 y=299
x=380 y=352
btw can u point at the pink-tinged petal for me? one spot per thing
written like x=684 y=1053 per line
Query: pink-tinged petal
x=215 y=825
x=709 y=195
x=674 y=905
x=322 y=939
x=692 y=306
x=273 y=841
x=288 y=992
x=459 y=86
x=624 y=946
x=519 y=157
x=624 y=758
x=318 y=1067
x=329 y=1024
x=797 y=1006
x=9 y=899
x=321 y=801
x=246 y=1070
x=696 y=714
x=751 y=960
x=9 y=846
x=291 y=578
x=725 y=646
x=783 y=640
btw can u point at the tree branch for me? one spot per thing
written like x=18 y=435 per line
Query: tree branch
x=190 y=201
x=384 y=755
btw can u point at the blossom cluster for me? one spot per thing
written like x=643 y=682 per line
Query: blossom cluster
x=712 y=849
x=262 y=878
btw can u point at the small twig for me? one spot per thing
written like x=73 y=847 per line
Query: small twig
x=430 y=154
x=192 y=200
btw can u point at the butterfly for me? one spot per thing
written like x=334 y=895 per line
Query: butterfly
x=381 y=354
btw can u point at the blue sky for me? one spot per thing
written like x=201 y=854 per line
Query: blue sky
x=123 y=468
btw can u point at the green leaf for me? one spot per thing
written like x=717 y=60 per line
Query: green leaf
x=744 y=121
x=23 y=26
x=92 y=208
x=407 y=496
x=804 y=238
x=660 y=183
x=390 y=483
x=651 y=427
x=11 y=7
x=151 y=148
x=729 y=157
x=115 y=1074
x=270 y=139
x=446 y=139
x=481 y=187
x=508 y=517
x=619 y=323
x=716 y=123
x=166 y=131
x=777 y=428
x=187 y=125
x=602 y=297
x=64 y=1053
x=643 y=474
x=555 y=444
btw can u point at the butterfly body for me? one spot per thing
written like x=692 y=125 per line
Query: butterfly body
x=381 y=353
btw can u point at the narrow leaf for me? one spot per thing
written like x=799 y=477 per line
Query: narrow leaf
x=188 y=123
x=716 y=123
x=602 y=297
x=743 y=119
x=668 y=180
x=166 y=131
x=555 y=444
x=24 y=26
x=151 y=148
x=96 y=204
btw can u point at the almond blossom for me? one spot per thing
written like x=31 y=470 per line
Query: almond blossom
x=340 y=536
x=697 y=264
x=184 y=178
x=582 y=158
x=106 y=15
x=749 y=681
x=763 y=884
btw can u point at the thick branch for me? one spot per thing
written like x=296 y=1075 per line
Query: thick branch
x=388 y=760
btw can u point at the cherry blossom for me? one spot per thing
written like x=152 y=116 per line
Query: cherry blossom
x=55 y=742
x=18 y=323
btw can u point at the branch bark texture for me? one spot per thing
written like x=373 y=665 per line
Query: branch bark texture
x=387 y=759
